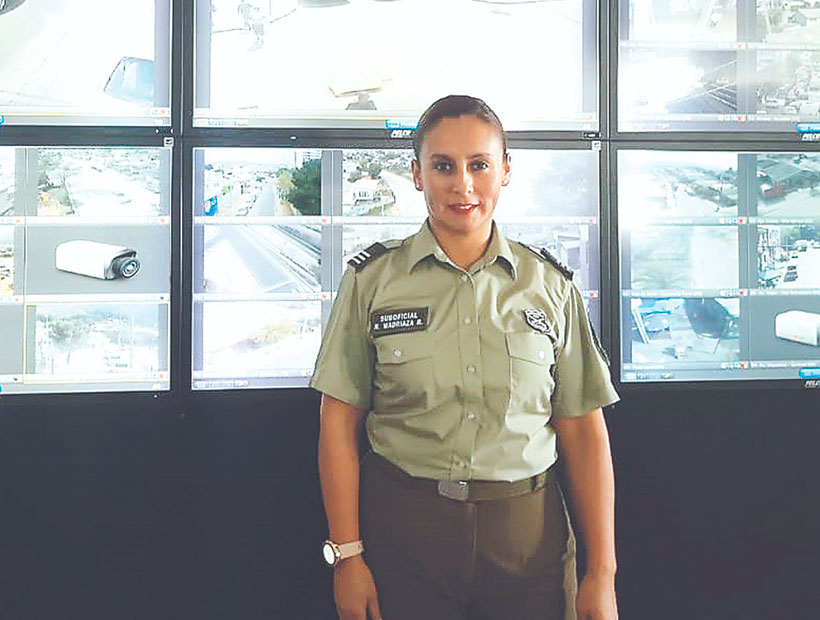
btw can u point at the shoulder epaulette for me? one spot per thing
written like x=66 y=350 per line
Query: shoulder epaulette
x=545 y=254
x=360 y=260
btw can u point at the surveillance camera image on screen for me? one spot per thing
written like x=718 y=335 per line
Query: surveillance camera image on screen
x=667 y=330
x=683 y=257
x=788 y=185
x=262 y=259
x=786 y=85
x=100 y=182
x=380 y=183
x=6 y=260
x=676 y=184
x=11 y=335
x=785 y=328
x=785 y=21
x=6 y=181
x=61 y=67
x=66 y=260
x=254 y=182
x=259 y=339
x=360 y=75
x=550 y=183
x=658 y=83
x=697 y=20
x=574 y=245
x=94 y=340
x=788 y=256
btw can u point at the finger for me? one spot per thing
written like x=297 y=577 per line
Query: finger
x=373 y=607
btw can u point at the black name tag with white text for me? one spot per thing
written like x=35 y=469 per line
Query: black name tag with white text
x=398 y=321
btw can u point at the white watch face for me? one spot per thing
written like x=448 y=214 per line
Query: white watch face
x=328 y=553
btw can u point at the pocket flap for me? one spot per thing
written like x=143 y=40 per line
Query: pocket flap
x=401 y=348
x=535 y=348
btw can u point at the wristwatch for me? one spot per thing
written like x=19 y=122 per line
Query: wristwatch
x=334 y=553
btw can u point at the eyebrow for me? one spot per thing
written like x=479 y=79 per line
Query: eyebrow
x=445 y=156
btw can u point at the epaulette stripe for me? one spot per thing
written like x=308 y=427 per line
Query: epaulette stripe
x=546 y=255
x=361 y=259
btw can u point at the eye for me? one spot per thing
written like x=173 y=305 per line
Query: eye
x=442 y=166
x=479 y=165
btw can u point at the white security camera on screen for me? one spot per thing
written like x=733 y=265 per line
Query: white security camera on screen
x=97 y=260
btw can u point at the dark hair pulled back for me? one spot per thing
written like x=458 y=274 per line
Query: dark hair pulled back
x=453 y=106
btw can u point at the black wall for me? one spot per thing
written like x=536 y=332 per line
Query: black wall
x=132 y=509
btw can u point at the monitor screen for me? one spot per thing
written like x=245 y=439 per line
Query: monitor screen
x=85 y=264
x=85 y=63
x=718 y=66
x=342 y=63
x=719 y=265
x=274 y=229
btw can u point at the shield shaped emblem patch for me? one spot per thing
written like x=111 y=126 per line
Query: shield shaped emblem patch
x=537 y=319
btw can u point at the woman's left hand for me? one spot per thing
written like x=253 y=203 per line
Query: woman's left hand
x=596 y=598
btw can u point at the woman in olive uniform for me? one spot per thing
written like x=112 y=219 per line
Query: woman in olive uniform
x=470 y=361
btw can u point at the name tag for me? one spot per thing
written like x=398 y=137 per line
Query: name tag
x=398 y=321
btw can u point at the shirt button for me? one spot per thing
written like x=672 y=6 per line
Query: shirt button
x=471 y=416
x=397 y=352
x=467 y=320
x=470 y=368
x=541 y=355
x=464 y=277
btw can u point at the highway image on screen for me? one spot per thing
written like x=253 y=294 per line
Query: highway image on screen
x=259 y=339
x=788 y=256
x=6 y=260
x=683 y=257
x=262 y=182
x=85 y=341
x=65 y=61
x=380 y=183
x=99 y=182
x=354 y=58
x=676 y=185
x=788 y=185
x=674 y=330
x=262 y=259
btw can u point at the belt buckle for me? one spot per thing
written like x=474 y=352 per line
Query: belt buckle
x=454 y=489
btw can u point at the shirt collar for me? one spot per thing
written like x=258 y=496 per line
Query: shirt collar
x=424 y=244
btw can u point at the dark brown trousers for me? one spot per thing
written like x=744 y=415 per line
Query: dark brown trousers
x=435 y=558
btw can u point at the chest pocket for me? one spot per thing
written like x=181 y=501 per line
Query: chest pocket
x=403 y=378
x=531 y=382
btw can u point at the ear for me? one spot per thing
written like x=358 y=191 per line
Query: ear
x=416 y=168
x=506 y=167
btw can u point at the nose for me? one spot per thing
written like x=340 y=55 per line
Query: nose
x=463 y=182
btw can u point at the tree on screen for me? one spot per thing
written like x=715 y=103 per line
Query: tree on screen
x=306 y=192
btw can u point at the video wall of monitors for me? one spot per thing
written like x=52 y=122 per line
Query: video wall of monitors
x=706 y=65
x=94 y=62
x=85 y=264
x=368 y=64
x=720 y=265
x=274 y=228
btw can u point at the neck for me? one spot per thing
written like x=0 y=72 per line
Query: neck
x=464 y=250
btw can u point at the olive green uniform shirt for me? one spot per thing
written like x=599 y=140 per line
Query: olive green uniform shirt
x=459 y=381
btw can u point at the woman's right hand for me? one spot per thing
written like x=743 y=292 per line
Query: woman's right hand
x=355 y=591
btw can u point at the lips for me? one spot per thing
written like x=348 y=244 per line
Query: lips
x=463 y=207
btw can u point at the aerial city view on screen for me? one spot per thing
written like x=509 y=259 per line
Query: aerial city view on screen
x=718 y=276
x=720 y=61
x=60 y=66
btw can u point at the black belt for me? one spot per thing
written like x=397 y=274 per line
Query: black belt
x=467 y=490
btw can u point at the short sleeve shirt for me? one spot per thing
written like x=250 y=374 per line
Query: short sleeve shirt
x=461 y=370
